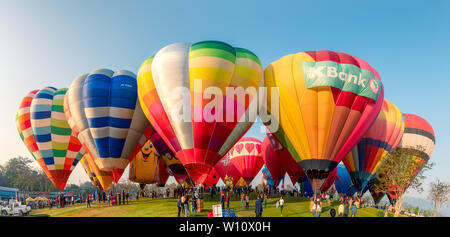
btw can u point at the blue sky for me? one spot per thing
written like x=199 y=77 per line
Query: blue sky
x=46 y=43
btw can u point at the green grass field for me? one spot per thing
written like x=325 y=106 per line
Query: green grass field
x=147 y=207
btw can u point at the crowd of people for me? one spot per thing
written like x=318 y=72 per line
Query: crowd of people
x=183 y=196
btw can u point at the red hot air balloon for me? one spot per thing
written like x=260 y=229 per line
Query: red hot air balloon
x=246 y=156
x=212 y=178
x=288 y=162
x=273 y=162
x=227 y=171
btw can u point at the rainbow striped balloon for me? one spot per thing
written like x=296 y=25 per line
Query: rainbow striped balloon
x=43 y=127
x=202 y=139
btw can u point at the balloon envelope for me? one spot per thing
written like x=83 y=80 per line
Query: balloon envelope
x=343 y=182
x=382 y=138
x=272 y=161
x=281 y=156
x=326 y=103
x=419 y=137
x=44 y=129
x=171 y=161
x=199 y=139
x=246 y=156
x=227 y=171
x=104 y=109
x=212 y=179
x=146 y=167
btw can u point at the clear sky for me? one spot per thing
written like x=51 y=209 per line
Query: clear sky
x=49 y=43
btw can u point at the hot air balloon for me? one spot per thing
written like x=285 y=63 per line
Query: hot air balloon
x=90 y=173
x=246 y=156
x=148 y=167
x=381 y=139
x=267 y=178
x=417 y=145
x=227 y=171
x=212 y=179
x=327 y=101
x=44 y=129
x=175 y=167
x=376 y=195
x=343 y=182
x=105 y=111
x=272 y=161
x=182 y=89
x=286 y=160
x=419 y=137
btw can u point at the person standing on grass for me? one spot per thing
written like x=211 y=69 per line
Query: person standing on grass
x=222 y=199
x=179 y=205
x=88 y=201
x=185 y=205
x=341 y=209
x=258 y=206
x=228 y=200
x=346 y=209
x=187 y=202
x=265 y=200
x=247 y=201
x=194 y=206
x=319 y=208
x=281 y=203
x=354 y=209
x=242 y=199
x=314 y=208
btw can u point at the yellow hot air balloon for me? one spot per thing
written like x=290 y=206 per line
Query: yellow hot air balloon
x=147 y=167
x=327 y=101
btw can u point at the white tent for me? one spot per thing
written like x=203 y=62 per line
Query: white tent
x=286 y=183
x=170 y=181
x=258 y=178
x=220 y=184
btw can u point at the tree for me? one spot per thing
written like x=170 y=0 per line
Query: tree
x=439 y=194
x=18 y=173
x=402 y=169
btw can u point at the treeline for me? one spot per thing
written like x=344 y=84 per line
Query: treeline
x=18 y=173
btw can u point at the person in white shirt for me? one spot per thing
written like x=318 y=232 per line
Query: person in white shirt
x=319 y=209
x=281 y=202
x=341 y=210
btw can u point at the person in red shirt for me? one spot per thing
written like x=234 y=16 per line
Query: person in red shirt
x=228 y=200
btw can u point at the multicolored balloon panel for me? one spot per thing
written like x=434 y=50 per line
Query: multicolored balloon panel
x=44 y=129
x=381 y=139
x=327 y=101
x=90 y=172
x=206 y=132
x=171 y=161
x=246 y=156
x=105 y=111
